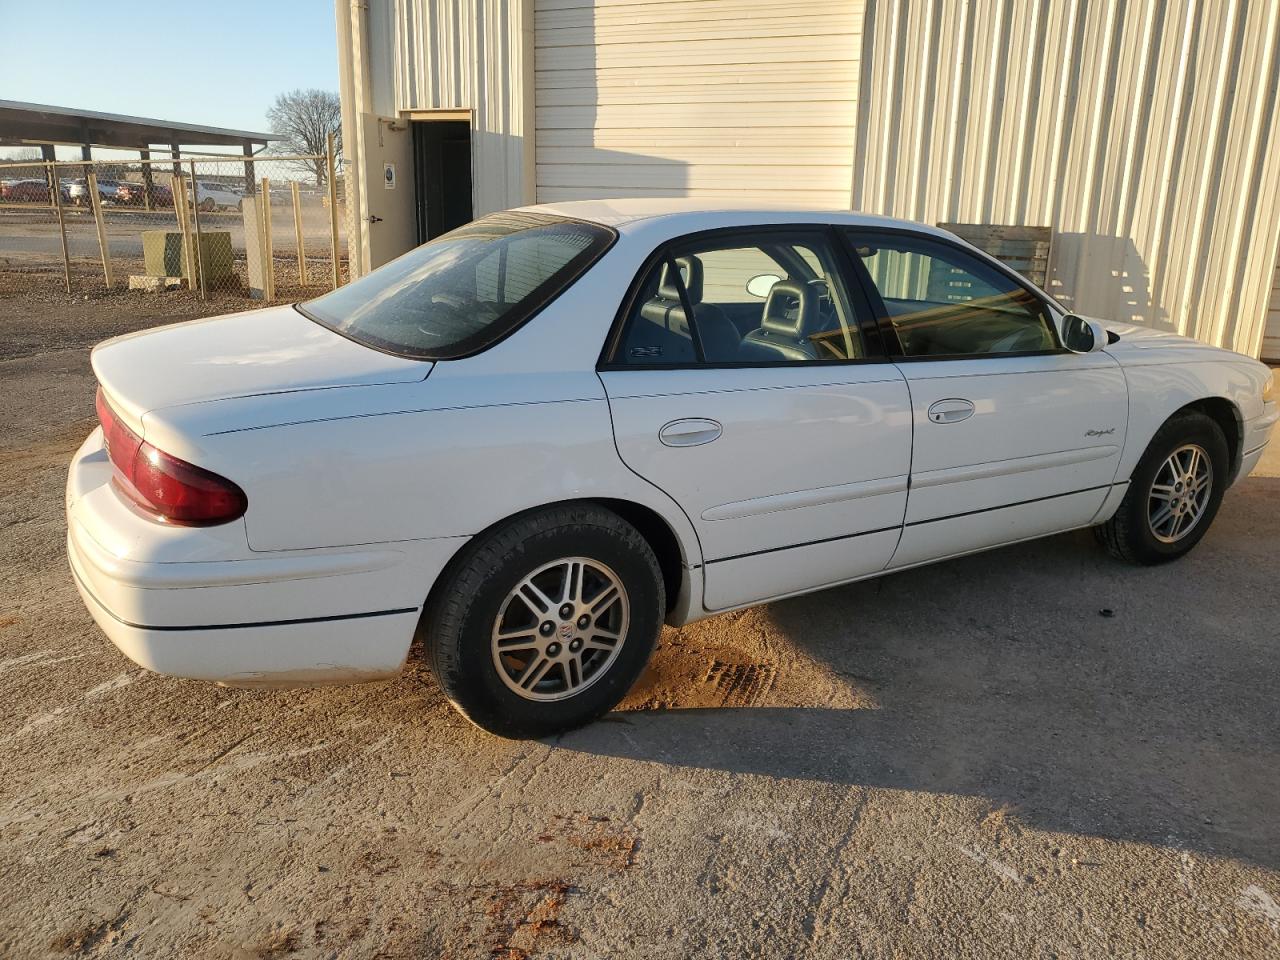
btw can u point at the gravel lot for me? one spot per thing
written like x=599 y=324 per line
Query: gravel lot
x=962 y=761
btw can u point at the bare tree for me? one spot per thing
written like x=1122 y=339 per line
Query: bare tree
x=23 y=154
x=304 y=119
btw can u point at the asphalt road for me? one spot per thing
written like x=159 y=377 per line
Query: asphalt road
x=33 y=231
x=967 y=760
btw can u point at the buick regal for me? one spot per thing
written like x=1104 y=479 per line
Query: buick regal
x=536 y=439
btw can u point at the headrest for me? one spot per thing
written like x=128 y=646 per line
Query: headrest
x=784 y=296
x=690 y=272
x=669 y=316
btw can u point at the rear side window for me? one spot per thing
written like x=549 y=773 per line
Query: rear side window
x=657 y=330
x=464 y=290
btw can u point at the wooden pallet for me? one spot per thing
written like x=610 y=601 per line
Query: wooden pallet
x=1024 y=249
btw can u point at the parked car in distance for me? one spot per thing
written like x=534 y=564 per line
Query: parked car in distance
x=128 y=192
x=534 y=439
x=217 y=196
x=78 y=191
x=25 y=191
x=134 y=194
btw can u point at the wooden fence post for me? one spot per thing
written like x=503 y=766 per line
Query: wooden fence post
x=100 y=222
x=297 y=234
x=268 y=255
x=181 y=207
x=198 y=259
x=331 y=167
x=62 y=224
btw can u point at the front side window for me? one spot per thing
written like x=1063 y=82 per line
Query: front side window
x=943 y=302
x=466 y=289
x=766 y=297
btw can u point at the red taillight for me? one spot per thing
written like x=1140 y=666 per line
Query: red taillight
x=122 y=443
x=164 y=486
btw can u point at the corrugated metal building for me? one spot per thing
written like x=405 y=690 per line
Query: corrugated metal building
x=1145 y=134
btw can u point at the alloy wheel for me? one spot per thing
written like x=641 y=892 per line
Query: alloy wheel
x=560 y=629
x=1180 y=493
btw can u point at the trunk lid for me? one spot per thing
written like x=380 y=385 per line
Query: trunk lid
x=275 y=350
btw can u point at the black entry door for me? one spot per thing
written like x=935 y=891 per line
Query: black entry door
x=442 y=162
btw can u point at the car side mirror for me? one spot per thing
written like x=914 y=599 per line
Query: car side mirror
x=760 y=286
x=1080 y=335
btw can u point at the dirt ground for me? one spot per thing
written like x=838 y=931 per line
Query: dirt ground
x=968 y=760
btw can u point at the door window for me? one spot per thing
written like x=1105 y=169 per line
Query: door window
x=944 y=302
x=757 y=298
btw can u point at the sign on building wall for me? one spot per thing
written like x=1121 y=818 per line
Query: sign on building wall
x=389 y=176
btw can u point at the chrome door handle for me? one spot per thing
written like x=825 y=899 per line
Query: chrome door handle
x=950 y=411
x=689 y=433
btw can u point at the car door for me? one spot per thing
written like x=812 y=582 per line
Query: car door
x=761 y=412
x=1014 y=436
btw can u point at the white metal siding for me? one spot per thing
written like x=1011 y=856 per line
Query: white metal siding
x=1271 y=340
x=472 y=55
x=707 y=98
x=1145 y=134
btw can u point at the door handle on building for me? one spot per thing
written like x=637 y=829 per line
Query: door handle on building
x=373 y=219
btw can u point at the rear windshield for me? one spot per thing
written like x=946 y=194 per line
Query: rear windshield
x=464 y=290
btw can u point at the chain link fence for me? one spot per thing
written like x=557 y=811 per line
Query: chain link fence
x=267 y=228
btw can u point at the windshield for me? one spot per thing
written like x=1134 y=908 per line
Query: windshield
x=464 y=290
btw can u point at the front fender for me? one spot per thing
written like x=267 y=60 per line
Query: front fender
x=1159 y=390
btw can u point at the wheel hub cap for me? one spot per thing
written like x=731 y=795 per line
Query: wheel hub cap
x=1179 y=493
x=560 y=629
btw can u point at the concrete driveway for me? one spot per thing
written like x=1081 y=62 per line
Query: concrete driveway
x=968 y=760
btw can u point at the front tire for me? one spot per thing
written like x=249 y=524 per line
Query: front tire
x=1174 y=493
x=545 y=623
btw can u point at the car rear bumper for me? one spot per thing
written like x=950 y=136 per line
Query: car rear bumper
x=193 y=602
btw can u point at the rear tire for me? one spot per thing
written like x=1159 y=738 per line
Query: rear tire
x=519 y=631
x=1173 y=495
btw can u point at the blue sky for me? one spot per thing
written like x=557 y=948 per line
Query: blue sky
x=215 y=64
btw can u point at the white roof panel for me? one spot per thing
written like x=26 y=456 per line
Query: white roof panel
x=704 y=214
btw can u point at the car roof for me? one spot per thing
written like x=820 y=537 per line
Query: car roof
x=693 y=214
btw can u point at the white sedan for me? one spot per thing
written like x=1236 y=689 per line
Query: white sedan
x=216 y=196
x=536 y=439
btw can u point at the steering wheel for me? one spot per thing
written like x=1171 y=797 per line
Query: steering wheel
x=1024 y=338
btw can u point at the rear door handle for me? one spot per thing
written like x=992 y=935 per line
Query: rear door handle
x=952 y=410
x=689 y=433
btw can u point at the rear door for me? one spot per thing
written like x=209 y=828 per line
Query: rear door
x=761 y=412
x=1015 y=436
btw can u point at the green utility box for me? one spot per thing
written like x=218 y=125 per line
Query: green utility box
x=162 y=254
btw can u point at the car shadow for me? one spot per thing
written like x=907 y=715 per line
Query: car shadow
x=1087 y=695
